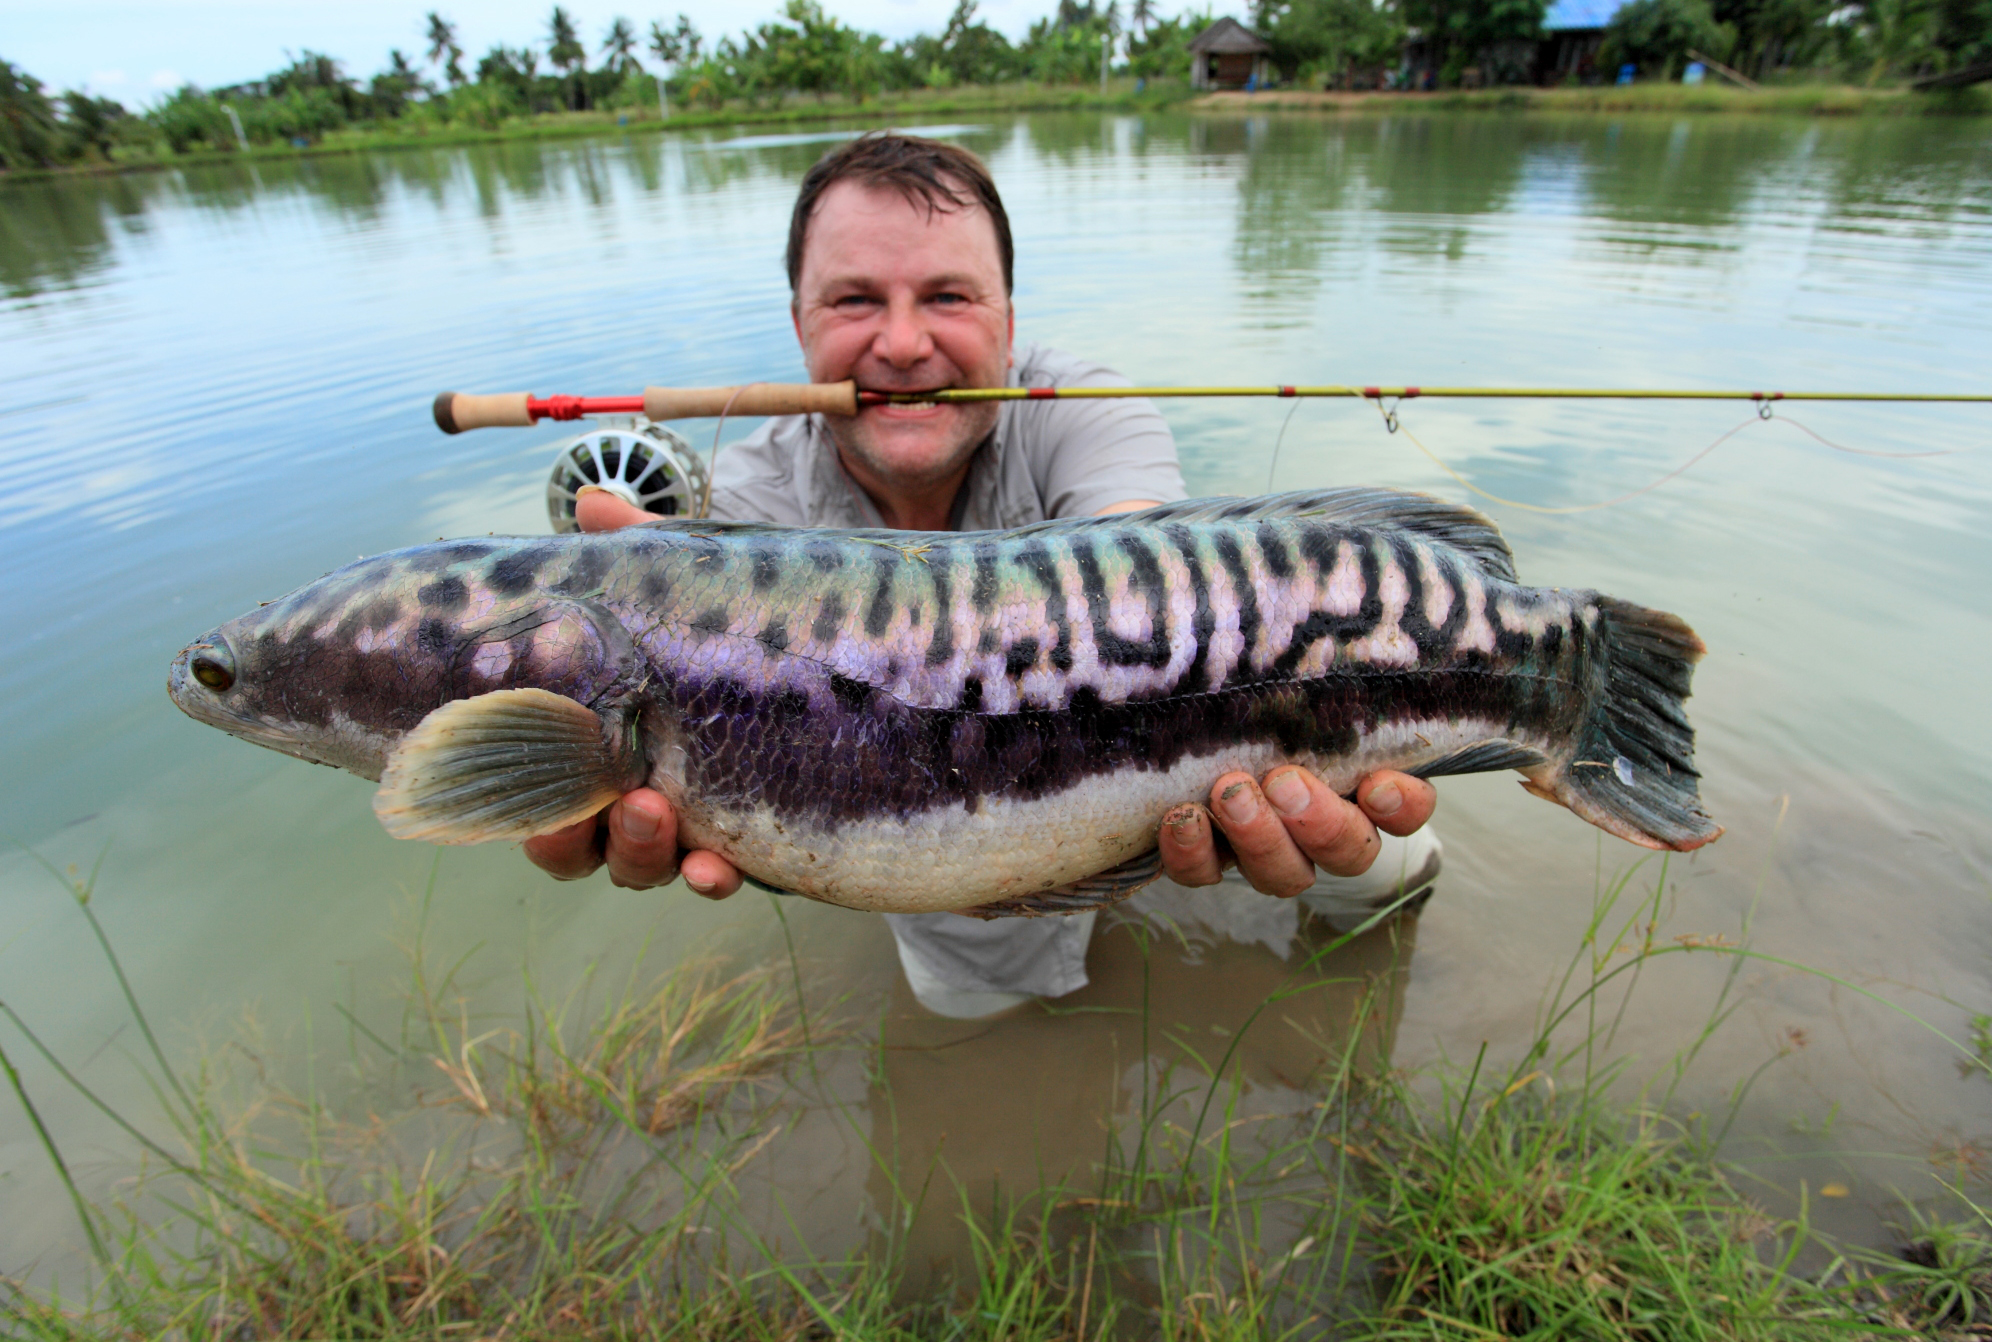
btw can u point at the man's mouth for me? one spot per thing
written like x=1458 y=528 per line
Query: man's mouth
x=908 y=395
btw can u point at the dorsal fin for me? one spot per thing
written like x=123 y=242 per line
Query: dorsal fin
x=1454 y=524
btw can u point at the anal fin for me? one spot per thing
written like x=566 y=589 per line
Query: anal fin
x=1482 y=757
x=1094 y=892
x=506 y=765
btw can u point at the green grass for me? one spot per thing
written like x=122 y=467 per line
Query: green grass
x=1780 y=99
x=417 y=131
x=580 y=1175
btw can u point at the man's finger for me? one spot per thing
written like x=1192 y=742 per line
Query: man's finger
x=1189 y=847
x=1398 y=803
x=710 y=875
x=1334 y=834
x=1267 y=854
x=598 y=509
x=566 y=854
x=643 y=840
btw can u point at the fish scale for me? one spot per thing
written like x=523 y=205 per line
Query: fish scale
x=991 y=721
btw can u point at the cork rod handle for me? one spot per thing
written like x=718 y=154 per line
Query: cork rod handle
x=458 y=410
x=756 y=398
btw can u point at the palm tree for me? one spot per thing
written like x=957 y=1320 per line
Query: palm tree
x=563 y=45
x=442 y=43
x=676 y=46
x=619 y=45
x=1142 y=15
x=564 y=49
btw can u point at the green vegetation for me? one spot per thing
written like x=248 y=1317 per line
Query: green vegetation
x=585 y=1176
x=807 y=64
x=810 y=65
x=1789 y=100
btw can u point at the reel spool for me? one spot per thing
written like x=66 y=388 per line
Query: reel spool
x=649 y=465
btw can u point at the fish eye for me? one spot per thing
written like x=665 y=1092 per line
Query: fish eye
x=213 y=668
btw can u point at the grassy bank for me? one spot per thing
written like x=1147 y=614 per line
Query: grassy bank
x=585 y=1175
x=928 y=105
x=1787 y=100
x=796 y=111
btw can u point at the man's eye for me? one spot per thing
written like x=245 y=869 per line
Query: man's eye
x=852 y=302
x=948 y=300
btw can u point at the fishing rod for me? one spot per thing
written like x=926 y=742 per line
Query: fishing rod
x=457 y=411
x=655 y=468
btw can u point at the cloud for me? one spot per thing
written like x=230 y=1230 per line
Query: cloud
x=107 y=79
x=166 y=79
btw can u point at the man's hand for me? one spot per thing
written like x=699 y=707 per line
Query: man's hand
x=1280 y=829
x=637 y=836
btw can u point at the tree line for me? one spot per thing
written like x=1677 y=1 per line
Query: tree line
x=1862 y=41
x=807 y=52
x=810 y=52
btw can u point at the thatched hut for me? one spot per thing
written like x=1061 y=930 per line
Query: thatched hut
x=1228 y=55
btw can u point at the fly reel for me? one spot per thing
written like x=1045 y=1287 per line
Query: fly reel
x=644 y=463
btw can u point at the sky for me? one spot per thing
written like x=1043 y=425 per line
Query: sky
x=138 y=50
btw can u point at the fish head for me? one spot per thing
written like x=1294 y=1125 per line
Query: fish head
x=340 y=670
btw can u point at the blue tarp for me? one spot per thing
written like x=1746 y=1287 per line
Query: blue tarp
x=1564 y=14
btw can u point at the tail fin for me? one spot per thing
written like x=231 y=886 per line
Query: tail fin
x=1634 y=770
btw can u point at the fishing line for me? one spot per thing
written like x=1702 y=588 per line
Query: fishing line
x=1394 y=424
x=1869 y=452
x=1276 y=444
x=712 y=462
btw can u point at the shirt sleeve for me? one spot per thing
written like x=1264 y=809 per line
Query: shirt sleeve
x=1088 y=455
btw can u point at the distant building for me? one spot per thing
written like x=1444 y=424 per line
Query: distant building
x=1228 y=55
x=1573 y=30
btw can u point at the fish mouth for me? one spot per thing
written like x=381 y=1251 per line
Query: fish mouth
x=202 y=683
x=201 y=677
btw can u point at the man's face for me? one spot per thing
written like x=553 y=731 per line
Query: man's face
x=904 y=300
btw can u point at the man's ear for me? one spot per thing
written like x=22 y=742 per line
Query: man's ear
x=1011 y=339
x=795 y=319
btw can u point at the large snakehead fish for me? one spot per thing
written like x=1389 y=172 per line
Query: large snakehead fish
x=997 y=721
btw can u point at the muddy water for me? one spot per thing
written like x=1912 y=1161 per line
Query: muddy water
x=214 y=386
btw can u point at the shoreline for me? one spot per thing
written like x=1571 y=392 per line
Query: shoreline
x=1794 y=100
x=1004 y=99
x=1610 y=99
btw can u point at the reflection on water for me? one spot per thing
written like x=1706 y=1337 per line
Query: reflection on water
x=216 y=385
x=977 y=1112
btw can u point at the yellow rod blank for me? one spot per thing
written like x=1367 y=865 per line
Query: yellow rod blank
x=959 y=395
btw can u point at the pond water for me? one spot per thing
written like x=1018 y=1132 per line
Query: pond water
x=214 y=385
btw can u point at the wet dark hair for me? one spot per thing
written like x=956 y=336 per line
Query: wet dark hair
x=940 y=176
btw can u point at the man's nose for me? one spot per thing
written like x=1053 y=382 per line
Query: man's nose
x=904 y=340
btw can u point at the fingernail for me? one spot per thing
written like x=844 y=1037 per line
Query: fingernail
x=1184 y=822
x=1288 y=793
x=703 y=887
x=588 y=489
x=639 y=826
x=1240 y=806
x=1384 y=799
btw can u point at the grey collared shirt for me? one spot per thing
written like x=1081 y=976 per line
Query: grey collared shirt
x=1045 y=459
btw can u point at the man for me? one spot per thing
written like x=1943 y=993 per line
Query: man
x=900 y=263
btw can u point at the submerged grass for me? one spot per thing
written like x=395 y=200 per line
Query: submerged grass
x=583 y=1175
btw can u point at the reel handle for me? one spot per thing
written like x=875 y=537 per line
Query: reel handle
x=756 y=398
x=460 y=410
x=456 y=411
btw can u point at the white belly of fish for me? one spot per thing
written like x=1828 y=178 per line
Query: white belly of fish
x=951 y=858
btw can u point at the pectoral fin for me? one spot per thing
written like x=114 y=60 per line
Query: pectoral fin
x=1094 y=892
x=506 y=765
